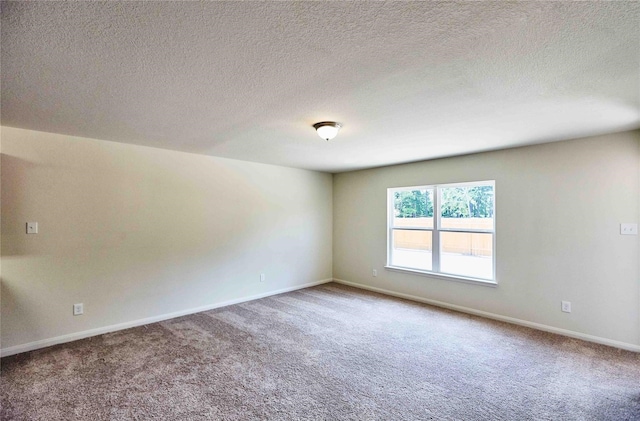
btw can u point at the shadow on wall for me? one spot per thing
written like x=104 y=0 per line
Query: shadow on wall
x=13 y=301
x=98 y=210
x=14 y=193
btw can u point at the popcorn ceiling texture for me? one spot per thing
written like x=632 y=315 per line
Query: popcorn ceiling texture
x=246 y=80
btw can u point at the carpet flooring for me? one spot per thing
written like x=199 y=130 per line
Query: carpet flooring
x=324 y=353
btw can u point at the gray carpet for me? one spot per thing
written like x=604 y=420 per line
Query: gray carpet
x=324 y=353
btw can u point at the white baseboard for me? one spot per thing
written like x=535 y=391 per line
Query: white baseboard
x=5 y=352
x=533 y=325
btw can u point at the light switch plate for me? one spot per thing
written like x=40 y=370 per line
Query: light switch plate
x=628 y=229
x=78 y=309
x=32 y=227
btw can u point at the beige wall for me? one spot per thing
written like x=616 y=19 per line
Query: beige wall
x=135 y=232
x=1 y=237
x=569 y=197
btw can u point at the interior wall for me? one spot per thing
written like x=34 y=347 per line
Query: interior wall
x=0 y=237
x=558 y=212
x=135 y=232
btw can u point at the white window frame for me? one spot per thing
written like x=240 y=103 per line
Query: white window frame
x=436 y=230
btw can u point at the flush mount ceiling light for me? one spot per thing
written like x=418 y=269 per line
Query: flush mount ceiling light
x=327 y=129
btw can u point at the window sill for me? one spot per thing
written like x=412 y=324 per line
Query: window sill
x=456 y=278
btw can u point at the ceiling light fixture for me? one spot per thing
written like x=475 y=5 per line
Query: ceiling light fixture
x=327 y=129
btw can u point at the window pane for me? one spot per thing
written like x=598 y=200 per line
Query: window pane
x=467 y=207
x=467 y=254
x=412 y=249
x=413 y=208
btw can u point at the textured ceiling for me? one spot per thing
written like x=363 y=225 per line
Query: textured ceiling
x=246 y=80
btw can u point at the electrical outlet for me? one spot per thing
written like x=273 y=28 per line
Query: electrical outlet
x=78 y=309
x=32 y=227
x=628 y=229
x=566 y=306
x=262 y=277
x=375 y=272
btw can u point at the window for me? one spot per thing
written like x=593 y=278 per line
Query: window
x=446 y=229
